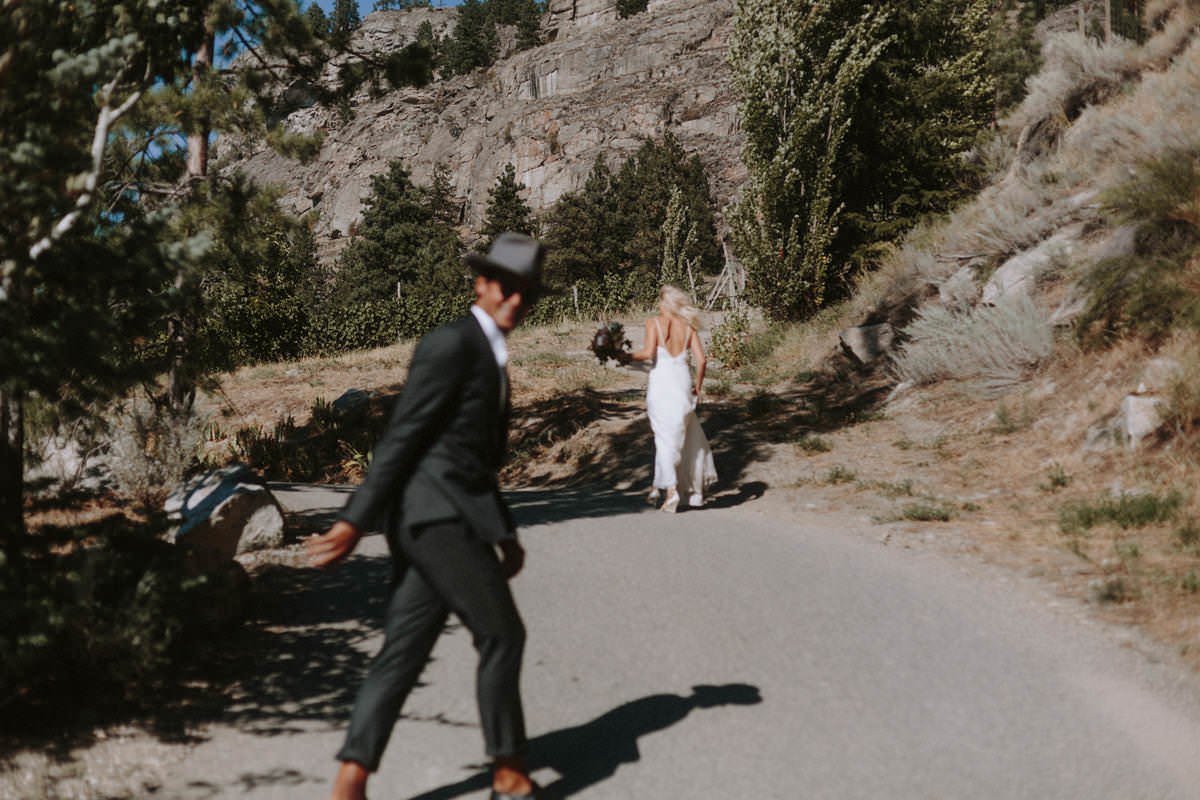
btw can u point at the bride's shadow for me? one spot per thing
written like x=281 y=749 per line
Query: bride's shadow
x=592 y=752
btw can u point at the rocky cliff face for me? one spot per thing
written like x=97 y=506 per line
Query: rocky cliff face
x=599 y=86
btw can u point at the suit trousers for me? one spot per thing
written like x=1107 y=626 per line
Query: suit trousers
x=446 y=570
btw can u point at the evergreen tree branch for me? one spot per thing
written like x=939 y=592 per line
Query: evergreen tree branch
x=105 y=119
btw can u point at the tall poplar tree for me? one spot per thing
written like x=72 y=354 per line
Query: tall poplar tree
x=857 y=116
x=799 y=70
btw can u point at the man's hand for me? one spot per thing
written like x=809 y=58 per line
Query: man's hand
x=512 y=557
x=333 y=545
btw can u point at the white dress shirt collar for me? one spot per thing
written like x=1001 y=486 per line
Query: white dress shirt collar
x=495 y=338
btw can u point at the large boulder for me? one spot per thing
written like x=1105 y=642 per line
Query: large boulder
x=226 y=512
x=1020 y=274
x=1140 y=417
x=866 y=343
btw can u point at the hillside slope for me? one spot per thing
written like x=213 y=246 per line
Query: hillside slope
x=598 y=87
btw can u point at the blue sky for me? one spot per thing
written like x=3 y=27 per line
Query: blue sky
x=367 y=6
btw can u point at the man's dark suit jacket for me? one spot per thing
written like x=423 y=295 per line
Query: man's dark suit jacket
x=439 y=457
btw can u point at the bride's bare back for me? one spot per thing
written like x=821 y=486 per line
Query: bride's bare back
x=675 y=331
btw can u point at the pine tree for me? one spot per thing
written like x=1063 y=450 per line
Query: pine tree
x=401 y=275
x=922 y=106
x=1013 y=51
x=440 y=197
x=345 y=21
x=627 y=8
x=529 y=25
x=77 y=285
x=644 y=186
x=506 y=211
x=474 y=42
x=318 y=21
x=583 y=232
x=95 y=107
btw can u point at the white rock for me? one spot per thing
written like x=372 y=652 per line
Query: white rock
x=1140 y=417
x=225 y=513
x=1020 y=274
x=1157 y=375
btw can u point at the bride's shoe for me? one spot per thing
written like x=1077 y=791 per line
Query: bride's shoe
x=652 y=498
x=671 y=503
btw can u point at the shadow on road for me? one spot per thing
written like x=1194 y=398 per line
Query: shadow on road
x=587 y=754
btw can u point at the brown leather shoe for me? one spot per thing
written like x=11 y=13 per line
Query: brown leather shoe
x=535 y=794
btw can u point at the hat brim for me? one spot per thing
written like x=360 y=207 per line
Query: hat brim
x=483 y=265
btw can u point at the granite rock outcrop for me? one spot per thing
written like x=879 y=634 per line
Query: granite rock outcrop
x=598 y=86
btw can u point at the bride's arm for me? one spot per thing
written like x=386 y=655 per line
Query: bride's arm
x=648 y=343
x=701 y=361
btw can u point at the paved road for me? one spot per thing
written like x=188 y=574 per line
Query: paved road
x=724 y=654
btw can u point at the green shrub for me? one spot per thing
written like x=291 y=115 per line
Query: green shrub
x=1056 y=478
x=106 y=611
x=927 y=512
x=730 y=339
x=839 y=474
x=991 y=346
x=627 y=8
x=1126 y=511
x=323 y=449
x=1152 y=290
x=810 y=443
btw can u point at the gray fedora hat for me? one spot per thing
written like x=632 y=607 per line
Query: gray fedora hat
x=512 y=255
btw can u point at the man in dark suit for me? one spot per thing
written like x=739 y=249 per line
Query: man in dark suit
x=432 y=489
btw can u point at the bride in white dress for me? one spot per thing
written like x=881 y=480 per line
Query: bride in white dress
x=683 y=462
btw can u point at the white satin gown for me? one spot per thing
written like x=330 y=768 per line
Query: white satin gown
x=682 y=457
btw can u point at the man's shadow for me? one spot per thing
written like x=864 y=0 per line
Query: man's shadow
x=592 y=752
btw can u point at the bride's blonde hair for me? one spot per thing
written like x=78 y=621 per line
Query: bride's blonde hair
x=674 y=300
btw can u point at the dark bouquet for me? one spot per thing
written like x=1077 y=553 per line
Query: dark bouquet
x=610 y=342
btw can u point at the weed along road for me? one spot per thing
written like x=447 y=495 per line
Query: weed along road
x=724 y=653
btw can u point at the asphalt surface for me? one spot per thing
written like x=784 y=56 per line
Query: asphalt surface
x=721 y=653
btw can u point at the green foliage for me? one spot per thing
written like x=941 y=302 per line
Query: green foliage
x=256 y=285
x=1013 y=53
x=730 y=339
x=473 y=43
x=524 y=14
x=839 y=474
x=616 y=225
x=1126 y=510
x=105 y=611
x=402 y=274
x=799 y=72
x=327 y=448
x=811 y=443
x=856 y=116
x=627 y=8
x=1152 y=290
x=1056 y=478
x=344 y=22
x=680 y=237
x=927 y=512
x=506 y=211
x=316 y=19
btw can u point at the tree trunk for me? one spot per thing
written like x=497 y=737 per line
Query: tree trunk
x=181 y=391
x=12 y=468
